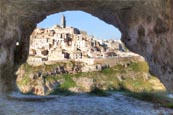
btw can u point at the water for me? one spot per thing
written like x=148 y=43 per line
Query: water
x=117 y=104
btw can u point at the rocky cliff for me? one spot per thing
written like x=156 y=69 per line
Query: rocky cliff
x=67 y=76
x=146 y=27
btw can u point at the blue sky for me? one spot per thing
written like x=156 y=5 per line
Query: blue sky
x=83 y=21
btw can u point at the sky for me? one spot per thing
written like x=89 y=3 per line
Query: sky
x=83 y=21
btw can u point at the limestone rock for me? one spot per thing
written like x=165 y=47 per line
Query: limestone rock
x=157 y=85
x=87 y=84
x=36 y=85
x=39 y=90
x=76 y=90
x=25 y=89
x=161 y=26
x=153 y=40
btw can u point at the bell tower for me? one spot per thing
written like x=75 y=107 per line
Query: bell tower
x=63 y=22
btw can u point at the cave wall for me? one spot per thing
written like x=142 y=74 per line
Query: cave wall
x=146 y=27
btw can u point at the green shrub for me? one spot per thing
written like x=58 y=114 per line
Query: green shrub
x=68 y=82
x=139 y=66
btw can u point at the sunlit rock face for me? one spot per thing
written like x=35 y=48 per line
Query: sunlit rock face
x=146 y=27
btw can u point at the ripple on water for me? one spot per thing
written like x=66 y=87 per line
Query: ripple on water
x=116 y=104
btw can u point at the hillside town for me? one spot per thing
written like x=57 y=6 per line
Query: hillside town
x=60 y=52
x=68 y=43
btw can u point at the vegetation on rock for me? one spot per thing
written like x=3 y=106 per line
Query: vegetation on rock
x=132 y=76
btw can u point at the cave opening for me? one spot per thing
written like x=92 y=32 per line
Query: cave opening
x=146 y=28
x=68 y=43
x=76 y=23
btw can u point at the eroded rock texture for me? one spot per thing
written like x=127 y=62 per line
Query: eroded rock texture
x=146 y=26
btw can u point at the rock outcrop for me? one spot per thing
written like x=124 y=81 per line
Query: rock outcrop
x=42 y=79
x=35 y=83
x=48 y=79
x=146 y=27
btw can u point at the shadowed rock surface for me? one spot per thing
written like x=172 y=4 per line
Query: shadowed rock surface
x=146 y=27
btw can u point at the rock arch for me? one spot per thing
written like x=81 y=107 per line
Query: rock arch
x=146 y=27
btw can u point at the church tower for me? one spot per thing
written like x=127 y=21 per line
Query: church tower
x=63 y=22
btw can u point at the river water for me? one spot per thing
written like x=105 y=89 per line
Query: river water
x=116 y=104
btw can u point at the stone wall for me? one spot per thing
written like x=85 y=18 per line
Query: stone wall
x=146 y=27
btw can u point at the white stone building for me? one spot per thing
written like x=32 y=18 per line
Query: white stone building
x=61 y=42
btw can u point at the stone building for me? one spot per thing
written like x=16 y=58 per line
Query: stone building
x=61 y=43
